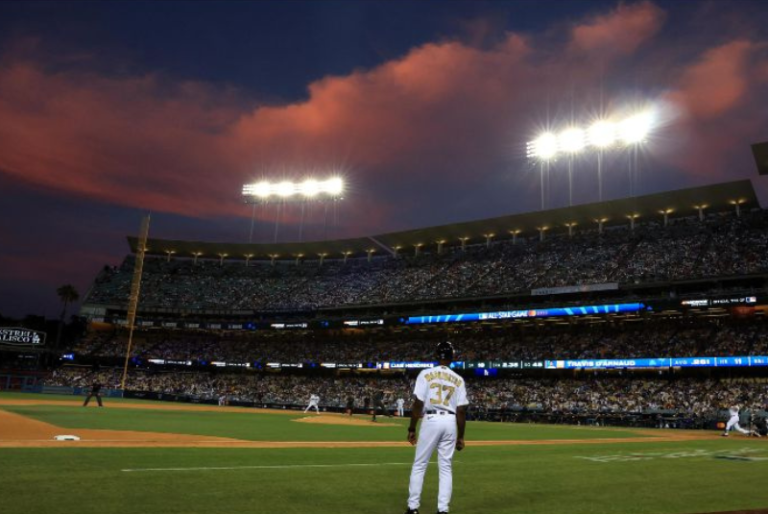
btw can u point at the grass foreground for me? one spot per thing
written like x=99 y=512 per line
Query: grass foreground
x=610 y=477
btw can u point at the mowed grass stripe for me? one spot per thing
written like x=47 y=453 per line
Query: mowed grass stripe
x=286 y=466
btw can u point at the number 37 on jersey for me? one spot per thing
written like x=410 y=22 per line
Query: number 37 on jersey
x=441 y=389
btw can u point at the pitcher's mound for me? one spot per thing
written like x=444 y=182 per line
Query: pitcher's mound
x=327 y=419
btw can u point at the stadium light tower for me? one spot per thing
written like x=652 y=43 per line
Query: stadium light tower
x=572 y=141
x=311 y=189
x=332 y=189
x=601 y=136
x=543 y=149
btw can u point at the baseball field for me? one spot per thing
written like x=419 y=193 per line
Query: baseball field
x=162 y=458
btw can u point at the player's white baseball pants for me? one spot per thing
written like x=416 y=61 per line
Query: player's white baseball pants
x=734 y=423
x=311 y=405
x=437 y=432
x=401 y=412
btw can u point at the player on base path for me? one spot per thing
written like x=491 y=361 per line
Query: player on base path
x=441 y=396
x=314 y=400
x=400 y=407
x=733 y=422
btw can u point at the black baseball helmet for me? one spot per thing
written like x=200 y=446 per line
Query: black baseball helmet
x=445 y=351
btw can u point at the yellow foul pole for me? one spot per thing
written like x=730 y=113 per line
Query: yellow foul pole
x=133 y=300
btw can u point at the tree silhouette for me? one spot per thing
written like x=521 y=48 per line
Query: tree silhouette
x=67 y=294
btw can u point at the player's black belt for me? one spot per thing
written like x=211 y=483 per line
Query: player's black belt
x=441 y=412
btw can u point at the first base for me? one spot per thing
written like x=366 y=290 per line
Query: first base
x=66 y=438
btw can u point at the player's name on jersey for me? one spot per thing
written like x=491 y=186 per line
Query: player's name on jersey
x=443 y=375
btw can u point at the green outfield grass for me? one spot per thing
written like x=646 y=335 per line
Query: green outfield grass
x=616 y=478
x=253 y=426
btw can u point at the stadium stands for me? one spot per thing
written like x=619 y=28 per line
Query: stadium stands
x=720 y=245
x=718 y=252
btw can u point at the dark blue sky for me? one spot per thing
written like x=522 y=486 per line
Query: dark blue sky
x=110 y=109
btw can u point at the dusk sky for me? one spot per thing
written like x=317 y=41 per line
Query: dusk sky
x=112 y=109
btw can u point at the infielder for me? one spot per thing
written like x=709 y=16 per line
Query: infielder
x=400 y=407
x=442 y=397
x=733 y=422
x=314 y=400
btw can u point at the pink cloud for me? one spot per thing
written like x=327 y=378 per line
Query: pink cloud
x=717 y=82
x=620 y=31
x=440 y=114
x=716 y=95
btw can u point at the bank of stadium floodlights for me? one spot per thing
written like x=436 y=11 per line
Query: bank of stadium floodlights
x=310 y=189
x=265 y=192
x=602 y=136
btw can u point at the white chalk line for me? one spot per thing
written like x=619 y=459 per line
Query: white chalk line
x=285 y=466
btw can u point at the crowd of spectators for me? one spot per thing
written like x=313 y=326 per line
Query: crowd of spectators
x=606 y=392
x=722 y=244
x=644 y=338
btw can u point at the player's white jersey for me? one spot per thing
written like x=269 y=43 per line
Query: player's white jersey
x=314 y=399
x=400 y=403
x=440 y=389
x=734 y=411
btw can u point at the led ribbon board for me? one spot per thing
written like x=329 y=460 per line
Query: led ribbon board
x=661 y=362
x=528 y=313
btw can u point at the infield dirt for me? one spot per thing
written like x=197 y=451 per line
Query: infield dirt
x=19 y=431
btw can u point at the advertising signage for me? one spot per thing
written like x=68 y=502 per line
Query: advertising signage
x=18 y=336
x=720 y=302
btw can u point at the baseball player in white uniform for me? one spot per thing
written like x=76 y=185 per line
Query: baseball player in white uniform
x=733 y=422
x=442 y=398
x=400 y=407
x=314 y=400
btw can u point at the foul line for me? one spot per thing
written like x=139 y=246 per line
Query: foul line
x=287 y=466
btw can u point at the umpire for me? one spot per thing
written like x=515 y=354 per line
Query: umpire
x=378 y=403
x=350 y=405
x=95 y=391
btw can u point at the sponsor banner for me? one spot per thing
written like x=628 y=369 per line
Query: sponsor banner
x=363 y=322
x=18 y=336
x=720 y=302
x=221 y=364
x=542 y=291
x=281 y=326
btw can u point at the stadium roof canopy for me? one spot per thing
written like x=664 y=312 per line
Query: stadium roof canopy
x=682 y=202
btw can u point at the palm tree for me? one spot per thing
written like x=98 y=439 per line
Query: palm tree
x=67 y=294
